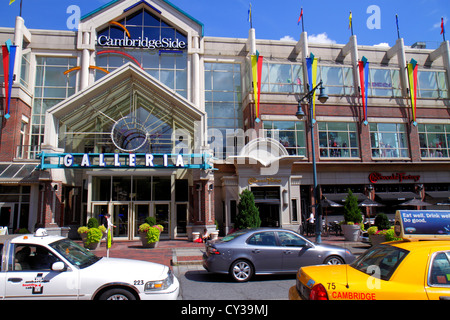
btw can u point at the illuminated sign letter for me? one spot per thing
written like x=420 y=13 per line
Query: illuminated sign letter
x=85 y=161
x=132 y=160
x=180 y=162
x=116 y=160
x=166 y=162
x=101 y=160
x=68 y=160
x=149 y=160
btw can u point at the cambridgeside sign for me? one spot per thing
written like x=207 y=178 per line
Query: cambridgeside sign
x=152 y=44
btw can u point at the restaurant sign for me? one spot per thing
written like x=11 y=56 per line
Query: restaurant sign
x=374 y=177
x=124 y=161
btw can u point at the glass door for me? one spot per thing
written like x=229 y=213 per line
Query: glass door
x=162 y=215
x=120 y=220
x=141 y=211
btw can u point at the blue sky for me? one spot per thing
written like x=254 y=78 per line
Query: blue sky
x=325 y=20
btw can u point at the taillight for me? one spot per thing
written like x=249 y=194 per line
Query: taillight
x=213 y=250
x=318 y=292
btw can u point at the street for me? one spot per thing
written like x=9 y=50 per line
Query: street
x=198 y=284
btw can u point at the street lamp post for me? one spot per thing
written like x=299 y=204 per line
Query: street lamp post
x=300 y=114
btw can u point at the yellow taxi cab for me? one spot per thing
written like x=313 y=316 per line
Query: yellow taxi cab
x=417 y=268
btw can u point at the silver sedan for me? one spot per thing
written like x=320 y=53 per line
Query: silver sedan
x=268 y=251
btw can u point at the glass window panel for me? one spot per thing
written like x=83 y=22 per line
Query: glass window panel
x=223 y=81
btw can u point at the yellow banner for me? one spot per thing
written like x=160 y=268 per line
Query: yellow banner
x=255 y=78
x=314 y=82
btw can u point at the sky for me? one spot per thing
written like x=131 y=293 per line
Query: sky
x=325 y=21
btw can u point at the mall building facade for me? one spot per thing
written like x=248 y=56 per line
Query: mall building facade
x=138 y=114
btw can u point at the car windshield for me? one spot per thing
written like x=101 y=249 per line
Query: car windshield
x=380 y=261
x=234 y=235
x=74 y=253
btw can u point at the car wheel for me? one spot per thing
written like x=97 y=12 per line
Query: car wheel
x=334 y=260
x=241 y=270
x=117 y=294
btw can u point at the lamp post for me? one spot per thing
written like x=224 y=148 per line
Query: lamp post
x=300 y=115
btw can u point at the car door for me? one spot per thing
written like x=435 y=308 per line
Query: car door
x=30 y=276
x=438 y=280
x=296 y=251
x=264 y=252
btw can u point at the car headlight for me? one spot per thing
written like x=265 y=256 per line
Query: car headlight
x=160 y=284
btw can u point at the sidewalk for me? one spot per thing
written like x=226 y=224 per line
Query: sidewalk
x=182 y=252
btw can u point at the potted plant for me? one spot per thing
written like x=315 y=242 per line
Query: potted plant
x=352 y=218
x=82 y=231
x=149 y=235
x=93 y=238
x=379 y=236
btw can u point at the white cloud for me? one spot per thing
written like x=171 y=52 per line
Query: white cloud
x=320 y=38
x=288 y=38
x=382 y=44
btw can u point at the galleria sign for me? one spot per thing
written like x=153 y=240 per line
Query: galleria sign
x=374 y=177
x=152 y=44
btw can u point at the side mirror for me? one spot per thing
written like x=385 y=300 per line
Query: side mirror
x=58 y=266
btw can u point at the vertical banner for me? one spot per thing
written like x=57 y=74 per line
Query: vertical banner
x=9 y=59
x=364 y=83
x=257 y=62
x=412 y=77
x=311 y=67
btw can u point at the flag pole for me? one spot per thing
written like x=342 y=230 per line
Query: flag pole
x=442 y=28
x=398 y=30
x=20 y=8
x=350 y=18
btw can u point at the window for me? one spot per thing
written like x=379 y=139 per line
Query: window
x=338 y=139
x=384 y=83
x=32 y=257
x=434 y=140
x=440 y=270
x=282 y=78
x=263 y=239
x=223 y=105
x=25 y=71
x=51 y=87
x=167 y=66
x=338 y=80
x=388 y=140
x=432 y=84
x=288 y=239
x=291 y=134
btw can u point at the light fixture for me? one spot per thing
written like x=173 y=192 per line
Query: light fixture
x=323 y=97
x=300 y=114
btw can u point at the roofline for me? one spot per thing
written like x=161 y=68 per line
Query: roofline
x=165 y=1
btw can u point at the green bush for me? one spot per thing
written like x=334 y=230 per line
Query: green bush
x=153 y=235
x=94 y=235
x=150 y=220
x=83 y=229
x=372 y=230
x=92 y=223
x=248 y=213
x=382 y=221
x=390 y=235
x=351 y=209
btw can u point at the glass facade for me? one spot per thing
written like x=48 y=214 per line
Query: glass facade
x=223 y=104
x=388 y=140
x=384 y=83
x=291 y=134
x=282 y=78
x=432 y=84
x=434 y=140
x=51 y=87
x=338 y=140
x=337 y=80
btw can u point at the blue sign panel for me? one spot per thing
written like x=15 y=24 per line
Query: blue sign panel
x=424 y=222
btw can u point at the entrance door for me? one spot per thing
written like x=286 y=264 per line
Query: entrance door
x=5 y=216
x=120 y=220
x=141 y=211
x=162 y=214
x=269 y=214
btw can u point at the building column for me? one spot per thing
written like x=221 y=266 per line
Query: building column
x=51 y=204
x=202 y=215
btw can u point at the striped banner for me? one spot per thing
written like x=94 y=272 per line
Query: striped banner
x=412 y=77
x=257 y=62
x=364 y=83
x=311 y=67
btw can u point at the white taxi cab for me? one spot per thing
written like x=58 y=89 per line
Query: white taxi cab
x=40 y=266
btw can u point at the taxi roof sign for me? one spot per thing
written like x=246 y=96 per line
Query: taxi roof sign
x=422 y=224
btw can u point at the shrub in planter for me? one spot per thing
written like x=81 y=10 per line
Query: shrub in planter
x=248 y=213
x=382 y=221
x=150 y=234
x=82 y=230
x=352 y=212
x=93 y=238
x=92 y=223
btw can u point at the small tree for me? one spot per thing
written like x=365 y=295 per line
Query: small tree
x=351 y=209
x=382 y=221
x=248 y=213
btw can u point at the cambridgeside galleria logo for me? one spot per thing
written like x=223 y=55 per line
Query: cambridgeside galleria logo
x=146 y=43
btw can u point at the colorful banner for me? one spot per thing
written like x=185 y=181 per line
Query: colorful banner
x=9 y=58
x=412 y=77
x=311 y=67
x=364 y=83
x=257 y=62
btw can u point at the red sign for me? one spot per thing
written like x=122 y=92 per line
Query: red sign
x=374 y=177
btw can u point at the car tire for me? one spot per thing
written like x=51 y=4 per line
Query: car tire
x=241 y=270
x=334 y=260
x=117 y=294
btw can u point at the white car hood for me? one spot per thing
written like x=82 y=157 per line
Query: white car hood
x=129 y=267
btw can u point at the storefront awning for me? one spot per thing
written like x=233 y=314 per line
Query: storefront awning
x=438 y=194
x=14 y=173
x=340 y=197
x=396 y=196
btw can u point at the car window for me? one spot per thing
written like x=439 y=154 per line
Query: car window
x=380 y=261
x=32 y=257
x=440 y=269
x=73 y=252
x=263 y=239
x=288 y=239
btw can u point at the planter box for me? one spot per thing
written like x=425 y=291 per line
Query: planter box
x=376 y=239
x=351 y=232
x=92 y=246
x=145 y=244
